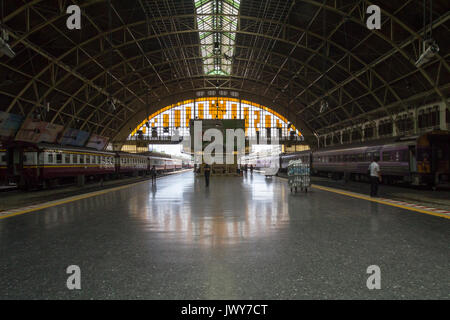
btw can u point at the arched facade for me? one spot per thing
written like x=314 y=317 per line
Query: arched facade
x=175 y=117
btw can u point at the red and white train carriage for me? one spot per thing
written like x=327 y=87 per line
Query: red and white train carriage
x=3 y=165
x=39 y=165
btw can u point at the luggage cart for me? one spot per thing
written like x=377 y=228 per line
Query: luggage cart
x=298 y=176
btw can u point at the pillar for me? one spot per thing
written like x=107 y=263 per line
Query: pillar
x=394 y=128
x=415 y=120
x=377 y=131
x=442 y=116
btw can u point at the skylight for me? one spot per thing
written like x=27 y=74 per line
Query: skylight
x=217 y=21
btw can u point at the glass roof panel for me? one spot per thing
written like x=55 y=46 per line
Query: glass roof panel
x=217 y=22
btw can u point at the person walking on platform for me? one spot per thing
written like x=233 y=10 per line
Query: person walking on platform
x=375 y=177
x=207 y=169
x=251 y=169
x=153 y=174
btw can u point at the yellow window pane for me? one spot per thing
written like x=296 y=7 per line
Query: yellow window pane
x=268 y=121
x=177 y=118
x=188 y=116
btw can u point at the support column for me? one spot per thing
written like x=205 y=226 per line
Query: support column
x=377 y=131
x=394 y=128
x=415 y=120
x=442 y=116
x=342 y=137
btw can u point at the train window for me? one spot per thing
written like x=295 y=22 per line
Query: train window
x=386 y=156
x=50 y=158
x=97 y=159
x=82 y=158
x=4 y=158
x=88 y=159
x=397 y=157
x=59 y=158
x=67 y=158
x=75 y=158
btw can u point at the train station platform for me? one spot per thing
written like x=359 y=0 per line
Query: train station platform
x=241 y=238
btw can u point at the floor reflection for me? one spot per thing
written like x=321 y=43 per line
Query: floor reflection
x=230 y=211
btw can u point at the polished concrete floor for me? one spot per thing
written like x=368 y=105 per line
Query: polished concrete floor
x=243 y=238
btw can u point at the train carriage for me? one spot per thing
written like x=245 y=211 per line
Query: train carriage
x=57 y=163
x=422 y=160
x=131 y=164
x=3 y=165
x=159 y=163
x=40 y=165
x=37 y=165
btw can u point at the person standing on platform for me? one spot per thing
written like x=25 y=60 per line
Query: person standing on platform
x=207 y=169
x=153 y=174
x=375 y=177
x=251 y=169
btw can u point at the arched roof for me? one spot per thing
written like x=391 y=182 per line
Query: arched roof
x=287 y=54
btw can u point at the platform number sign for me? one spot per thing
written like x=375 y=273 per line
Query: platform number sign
x=74 y=280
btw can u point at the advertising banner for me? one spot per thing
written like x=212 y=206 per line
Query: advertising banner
x=97 y=142
x=9 y=125
x=74 y=137
x=36 y=131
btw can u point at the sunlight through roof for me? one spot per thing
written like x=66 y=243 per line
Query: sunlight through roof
x=217 y=21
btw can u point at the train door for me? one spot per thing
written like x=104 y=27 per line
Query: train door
x=440 y=164
x=15 y=161
x=412 y=159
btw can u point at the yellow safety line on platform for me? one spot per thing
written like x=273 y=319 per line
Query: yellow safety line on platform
x=360 y=196
x=74 y=198
x=363 y=197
